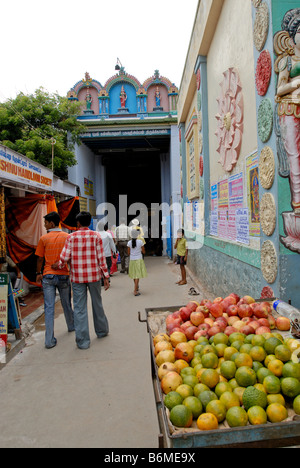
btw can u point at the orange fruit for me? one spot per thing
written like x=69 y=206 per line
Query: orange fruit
x=173 y=399
x=283 y=353
x=228 y=369
x=258 y=353
x=237 y=336
x=291 y=369
x=276 y=366
x=217 y=408
x=239 y=391
x=237 y=344
x=210 y=360
x=190 y=380
x=181 y=416
x=199 y=373
x=236 y=416
x=268 y=359
x=222 y=387
x=275 y=398
x=187 y=371
x=207 y=422
x=245 y=348
x=272 y=384
x=210 y=377
x=229 y=351
x=202 y=340
x=296 y=404
x=194 y=404
x=262 y=373
x=260 y=387
x=199 y=387
x=257 y=365
x=220 y=348
x=207 y=349
x=257 y=415
x=229 y=399
x=220 y=338
x=233 y=383
x=258 y=340
x=243 y=359
x=270 y=344
x=290 y=387
x=207 y=396
x=196 y=361
x=245 y=376
x=276 y=413
x=185 y=390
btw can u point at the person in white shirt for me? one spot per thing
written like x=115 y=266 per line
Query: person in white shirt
x=109 y=246
x=137 y=268
x=122 y=238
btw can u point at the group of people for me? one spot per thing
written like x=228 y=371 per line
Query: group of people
x=82 y=260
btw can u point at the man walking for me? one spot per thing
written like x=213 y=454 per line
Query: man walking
x=84 y=250
x=122 y=238
x=109 y=246
x=48 y=251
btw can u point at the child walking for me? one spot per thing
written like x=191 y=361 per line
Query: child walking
x=137 y=268
x=182 y=253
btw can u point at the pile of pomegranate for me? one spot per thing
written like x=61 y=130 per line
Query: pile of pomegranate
x=227 y=315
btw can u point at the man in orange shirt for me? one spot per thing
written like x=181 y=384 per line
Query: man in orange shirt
x=48 y=250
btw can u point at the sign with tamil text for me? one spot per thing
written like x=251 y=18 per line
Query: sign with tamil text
x=18 y=168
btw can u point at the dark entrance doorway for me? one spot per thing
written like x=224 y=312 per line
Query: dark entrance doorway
x=138 y=176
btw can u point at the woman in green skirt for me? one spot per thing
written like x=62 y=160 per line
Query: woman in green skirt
x=137 y=267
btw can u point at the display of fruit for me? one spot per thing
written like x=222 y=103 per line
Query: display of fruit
x=228 y=355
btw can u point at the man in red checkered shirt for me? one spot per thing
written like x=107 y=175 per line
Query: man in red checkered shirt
x=84 y=251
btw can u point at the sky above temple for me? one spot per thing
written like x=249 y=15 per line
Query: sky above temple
x=53 y=44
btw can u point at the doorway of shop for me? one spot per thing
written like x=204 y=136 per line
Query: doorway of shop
x=138 y=176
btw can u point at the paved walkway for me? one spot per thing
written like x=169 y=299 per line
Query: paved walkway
x=101 y=397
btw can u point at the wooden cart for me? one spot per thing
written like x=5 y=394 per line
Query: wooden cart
x=269 y=435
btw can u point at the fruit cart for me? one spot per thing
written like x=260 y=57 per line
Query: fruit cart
x=270 y=435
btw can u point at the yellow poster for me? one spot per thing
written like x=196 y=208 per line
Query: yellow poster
x=253 y=194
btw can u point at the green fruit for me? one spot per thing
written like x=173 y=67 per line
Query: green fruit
x=254 y=397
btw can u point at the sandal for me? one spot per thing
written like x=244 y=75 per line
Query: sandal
x=193 y=292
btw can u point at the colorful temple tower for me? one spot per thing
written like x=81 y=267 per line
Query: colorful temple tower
x=130 y=150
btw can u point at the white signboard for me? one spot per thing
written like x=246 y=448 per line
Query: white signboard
x=18 y=168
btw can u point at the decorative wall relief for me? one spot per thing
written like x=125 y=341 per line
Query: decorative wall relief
x=265 y=120
x=261 y=26
x=268 y=214
x=287 y=65
x=266 y=168
x=256 y=3
x=263 y=72
x=230 y=119
x=269 y=266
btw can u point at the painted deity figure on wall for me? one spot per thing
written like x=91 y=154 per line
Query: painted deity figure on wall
x=157 y=97
x=123 y=98
x=89 y=101
x=287 y=47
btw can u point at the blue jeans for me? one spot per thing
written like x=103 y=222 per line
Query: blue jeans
x=62 y=283
x=81 y=313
